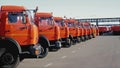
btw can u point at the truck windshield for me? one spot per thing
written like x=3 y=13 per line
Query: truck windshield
x=60 y=23
x=46 y=21
x=14 y=17
x=70 y=24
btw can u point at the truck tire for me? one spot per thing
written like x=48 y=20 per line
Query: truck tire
x=44 y=51
x=86 y=37
x=93 y=35
x=78 y=39
x=90 y=37
x=38 y=50
x=56 y=46
x=68 y=43
x=9 y=59
x=82 y=38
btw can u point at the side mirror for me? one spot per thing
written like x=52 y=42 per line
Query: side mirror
x=35 y=10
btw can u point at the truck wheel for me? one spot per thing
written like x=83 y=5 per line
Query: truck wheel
x=68 y=43
x=101 y=33
x=74 y=41
x=38 y=51
x=93 y=36
x=78 y=39
x=82 y=38
x=10 y=59
x=58 y=45
x=44 y=52
x=86 y=37
x=90 y=37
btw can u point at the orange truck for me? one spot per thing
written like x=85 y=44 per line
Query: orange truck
x=115 y=29
x=49 y=32
x=94 y=31
x=90 y=31
x=64 y=32
x=73 y=29
x=18 y=35
x=82 y=31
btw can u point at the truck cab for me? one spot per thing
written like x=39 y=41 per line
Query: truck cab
x=48 y=29
x=82 y=31
x=86 y=30
x=18 y=34
x=64 y=31
x=74 y=30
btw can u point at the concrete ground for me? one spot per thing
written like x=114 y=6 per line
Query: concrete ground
x=99 y=52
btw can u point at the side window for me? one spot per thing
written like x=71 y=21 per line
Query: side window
x=12 y=17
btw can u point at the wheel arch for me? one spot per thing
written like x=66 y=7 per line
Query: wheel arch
x=43 y=38
x=5 y=40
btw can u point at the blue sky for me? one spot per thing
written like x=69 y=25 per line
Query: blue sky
x=72 y=8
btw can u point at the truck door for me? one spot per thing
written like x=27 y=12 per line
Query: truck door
x=18 y=28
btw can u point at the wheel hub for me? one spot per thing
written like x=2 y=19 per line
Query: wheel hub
x=7 y=58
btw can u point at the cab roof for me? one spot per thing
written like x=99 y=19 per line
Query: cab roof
x=43 y=14
x=70 y=20
x=58 y=18
x=12 y=8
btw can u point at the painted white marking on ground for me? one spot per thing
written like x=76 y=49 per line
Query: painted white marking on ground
x=47 y=65
x=63 y=57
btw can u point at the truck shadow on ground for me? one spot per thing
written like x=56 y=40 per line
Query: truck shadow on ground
x=29 y=56
x=26 y=56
